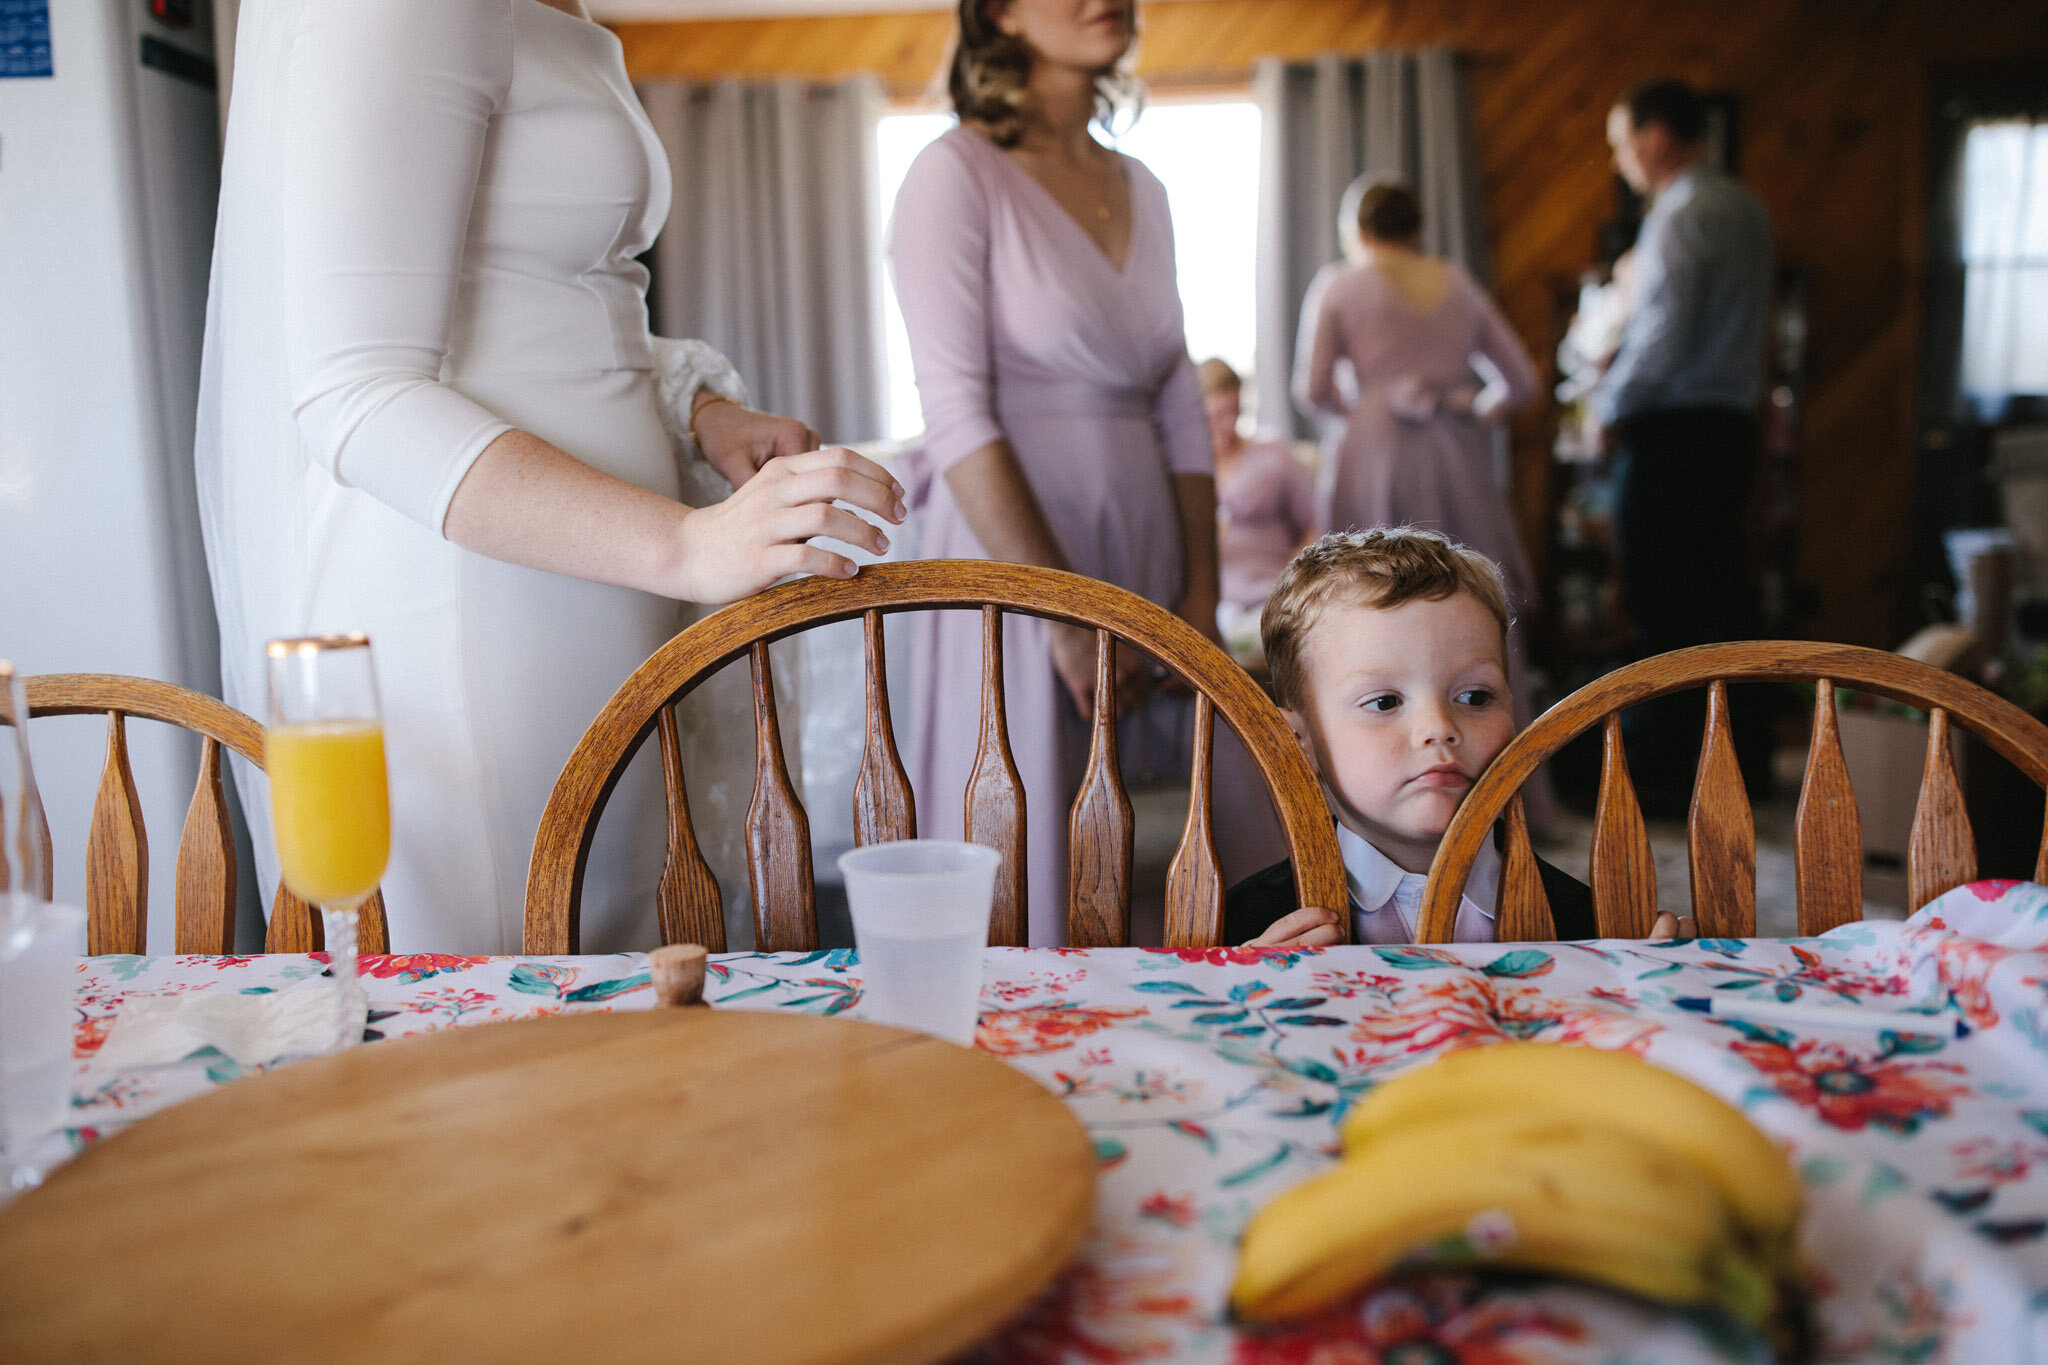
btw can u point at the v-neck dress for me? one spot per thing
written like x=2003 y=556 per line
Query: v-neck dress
x=1021 y=328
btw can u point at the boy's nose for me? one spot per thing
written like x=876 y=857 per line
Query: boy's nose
x=1435 y=725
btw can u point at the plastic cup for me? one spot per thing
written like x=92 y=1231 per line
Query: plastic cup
x=920 y=922
x=40 y=948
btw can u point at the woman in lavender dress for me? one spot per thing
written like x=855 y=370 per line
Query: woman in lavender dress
x=1392 y=345
x=1063 y=424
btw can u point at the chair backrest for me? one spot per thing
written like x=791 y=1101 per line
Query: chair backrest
x=778 y=832
x=1721 y=833
x=117 y=845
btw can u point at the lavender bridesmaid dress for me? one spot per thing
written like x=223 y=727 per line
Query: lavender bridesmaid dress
x=1021 y=328
x=1407 y=449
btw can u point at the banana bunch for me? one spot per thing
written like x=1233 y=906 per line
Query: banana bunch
x=1573 y=1161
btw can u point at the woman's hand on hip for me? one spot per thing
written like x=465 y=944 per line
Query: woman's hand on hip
x=739 y=441
x=737 y=547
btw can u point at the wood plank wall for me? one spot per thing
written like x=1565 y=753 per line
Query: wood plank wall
x=1832 y=112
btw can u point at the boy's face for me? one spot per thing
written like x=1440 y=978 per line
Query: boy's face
x=1405 y=709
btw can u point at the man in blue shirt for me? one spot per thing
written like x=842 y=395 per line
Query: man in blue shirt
x=1678 y=408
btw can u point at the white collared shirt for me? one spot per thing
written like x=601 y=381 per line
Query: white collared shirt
x=1386 y=902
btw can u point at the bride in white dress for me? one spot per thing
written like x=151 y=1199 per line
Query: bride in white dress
x=430 y=411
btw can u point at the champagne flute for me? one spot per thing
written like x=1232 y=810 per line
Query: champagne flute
x=329 y=801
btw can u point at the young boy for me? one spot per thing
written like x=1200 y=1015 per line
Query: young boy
x=1388 y=651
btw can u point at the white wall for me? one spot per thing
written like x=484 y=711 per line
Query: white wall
x=108 y=177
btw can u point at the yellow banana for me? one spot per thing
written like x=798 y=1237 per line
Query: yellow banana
x=1537 y=1193
x=1601 y=1087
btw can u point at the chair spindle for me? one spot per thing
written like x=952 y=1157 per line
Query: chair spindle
x=1942 y=852
x=778 y=832
x=1524 y=915
x=116 y=855
x=1827 y=836
x=1194 y=883
x=1100 y=827
x=884 y=807
x=995 y=794
x=686 y=899
x=2041 y=858
x=1624 y=873
x=206 y=864
x=1721 y=832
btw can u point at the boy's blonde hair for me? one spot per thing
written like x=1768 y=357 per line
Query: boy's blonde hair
x=1382 y=567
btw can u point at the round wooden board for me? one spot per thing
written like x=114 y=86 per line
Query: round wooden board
x=681 y=1184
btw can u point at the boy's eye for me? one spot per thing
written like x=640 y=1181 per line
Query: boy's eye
x=1386 y=701
x=1476 y=697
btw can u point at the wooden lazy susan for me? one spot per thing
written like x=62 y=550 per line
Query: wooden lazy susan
x=687 y=1184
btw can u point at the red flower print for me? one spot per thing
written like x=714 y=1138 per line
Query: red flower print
x=1177 y=1209
x=411 y=967
x=1991 y=889
x=90 y=1034
x=1469 y=1009
x=220 y=963
x=1437 y=1318
x=1344 y=985
x=1242 y=957
x=1043 y=1028
x=1850 y=1091
x=1116 y=1305
x=1966 y=965
x=1996 y=1162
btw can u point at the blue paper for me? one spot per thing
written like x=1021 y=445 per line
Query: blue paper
x=25 y=38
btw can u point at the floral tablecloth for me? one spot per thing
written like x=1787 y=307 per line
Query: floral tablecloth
x=1213 y=1079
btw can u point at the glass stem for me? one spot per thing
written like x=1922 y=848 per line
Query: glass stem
x=340 y=926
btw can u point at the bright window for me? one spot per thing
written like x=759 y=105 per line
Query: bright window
x=2005 y=260
x=1207 y=155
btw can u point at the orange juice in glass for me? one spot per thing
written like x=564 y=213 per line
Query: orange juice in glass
x=330 y=808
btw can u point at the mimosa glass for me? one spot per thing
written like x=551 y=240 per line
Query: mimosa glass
x=329 y=801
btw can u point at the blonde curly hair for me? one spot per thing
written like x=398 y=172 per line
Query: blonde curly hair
x=989 y=73
x=1381 y=567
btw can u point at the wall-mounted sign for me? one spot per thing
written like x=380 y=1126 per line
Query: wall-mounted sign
x=25 y=38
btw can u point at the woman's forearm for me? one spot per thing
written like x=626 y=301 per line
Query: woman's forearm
x=529 y=502
x=1001 y=509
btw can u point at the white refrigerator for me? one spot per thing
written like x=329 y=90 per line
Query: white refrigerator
x=109 y=174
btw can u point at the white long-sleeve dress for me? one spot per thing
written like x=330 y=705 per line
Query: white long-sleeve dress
x=428 y=222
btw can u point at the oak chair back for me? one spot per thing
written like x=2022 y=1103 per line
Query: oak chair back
x=117 y=845
x=778 y=831
x=1721 y=833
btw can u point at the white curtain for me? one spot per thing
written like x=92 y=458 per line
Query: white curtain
x=1325 y=123
x=770 y=252
x=2005 y=262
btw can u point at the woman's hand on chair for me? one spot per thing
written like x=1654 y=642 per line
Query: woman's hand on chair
x=739 y=441
x=737 y=547
x=1308 y=927
x=1073 y=660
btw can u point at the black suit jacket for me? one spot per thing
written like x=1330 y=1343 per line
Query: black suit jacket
x=1255 y=903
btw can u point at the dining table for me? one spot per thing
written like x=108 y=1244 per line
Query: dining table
x=1903 y=1064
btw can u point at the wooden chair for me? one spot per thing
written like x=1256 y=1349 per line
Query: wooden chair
x=778 y=832
x=117 y=846
x=1721 y=835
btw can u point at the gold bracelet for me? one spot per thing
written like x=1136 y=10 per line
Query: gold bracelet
x=696 y=408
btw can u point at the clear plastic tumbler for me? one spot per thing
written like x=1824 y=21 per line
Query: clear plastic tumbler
x=920 y=912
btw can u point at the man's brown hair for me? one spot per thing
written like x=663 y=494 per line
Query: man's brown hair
x=1382 y=567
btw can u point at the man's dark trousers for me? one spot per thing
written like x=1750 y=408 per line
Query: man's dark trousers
x=1681 y=523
